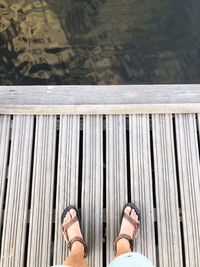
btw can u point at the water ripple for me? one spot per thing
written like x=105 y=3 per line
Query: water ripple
x=99 y=42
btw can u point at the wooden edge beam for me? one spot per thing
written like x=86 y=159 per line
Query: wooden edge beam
x=100 y=109
x=100 y=94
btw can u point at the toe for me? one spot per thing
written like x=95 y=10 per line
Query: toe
x=73 y=213
x=68 y=217
x=134 y=215
x=127 y=210
x=65 y=219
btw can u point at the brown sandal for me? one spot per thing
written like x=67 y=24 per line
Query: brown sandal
x=66 y=226
x=133 y=222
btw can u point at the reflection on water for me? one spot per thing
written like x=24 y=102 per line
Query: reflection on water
x=99 y=41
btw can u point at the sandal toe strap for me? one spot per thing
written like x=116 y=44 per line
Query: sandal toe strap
x=124 y=236
x=78 y=238
x=134 y=223
x=70 y=223
x=66 y=226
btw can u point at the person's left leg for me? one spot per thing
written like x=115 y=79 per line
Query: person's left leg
x=76 y=257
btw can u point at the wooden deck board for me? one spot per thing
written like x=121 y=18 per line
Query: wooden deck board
x=97 y=109
x=100 y=94
x=92 y=188
x=189 y=176
x=141 y=182
x=16 y=209
x=42 y=193
x=4 y=144
x=67 y=178
x=111 y=99
x=168 y=221
x=164 y=165
x=116 y=178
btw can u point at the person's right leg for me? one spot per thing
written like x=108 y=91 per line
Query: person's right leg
x=123 y=245
x=124 y=256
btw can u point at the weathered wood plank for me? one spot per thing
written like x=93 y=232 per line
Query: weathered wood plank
x=167 y=209
x=67 y=178
x=4 y=145
x=198 y=125
x=40 y=232
x=14 y=228
x=189 y=177
x=141 y=183
x=92 y=188
x=101 y=109
x=108 y=94
x=116 y=178
x=16 y=210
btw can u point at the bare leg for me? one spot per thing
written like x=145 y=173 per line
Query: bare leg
x=123 y=245
x=76 y=257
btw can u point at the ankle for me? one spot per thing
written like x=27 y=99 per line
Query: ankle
x=77 y=249
x=123 y=246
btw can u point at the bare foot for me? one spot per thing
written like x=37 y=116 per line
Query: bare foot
x=126 y=227
x=123 y=245
x=74 y=230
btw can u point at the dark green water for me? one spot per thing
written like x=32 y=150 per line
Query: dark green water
x=99 y=42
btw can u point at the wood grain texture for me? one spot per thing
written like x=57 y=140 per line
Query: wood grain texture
x=101 y=109
x=108 y=94
x=198 y=128
x=92 y=188
x=4 y=145
x=67 y=178
x=116 y=178
x=141 y=183
x=189 y=177
x=167 y=209
x=40 y=230
x=16 y=209
x=183 y=143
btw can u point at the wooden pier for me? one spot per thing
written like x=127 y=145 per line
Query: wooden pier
x=98 y=147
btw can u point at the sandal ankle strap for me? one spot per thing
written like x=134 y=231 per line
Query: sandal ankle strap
x=123 y=236
x=77 y=238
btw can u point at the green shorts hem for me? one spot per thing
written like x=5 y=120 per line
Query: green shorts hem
x=131 y=259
